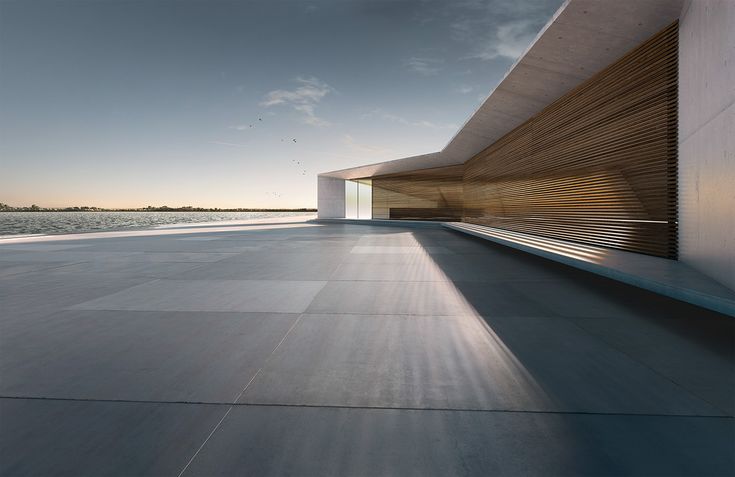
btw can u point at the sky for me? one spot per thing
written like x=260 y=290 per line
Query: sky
x=210 y=103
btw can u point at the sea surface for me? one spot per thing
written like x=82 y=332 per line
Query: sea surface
x=21 y=223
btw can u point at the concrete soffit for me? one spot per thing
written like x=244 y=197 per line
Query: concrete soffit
x=582 y=38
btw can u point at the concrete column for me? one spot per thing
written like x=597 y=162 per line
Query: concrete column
x=330 y=198
x=707 y=138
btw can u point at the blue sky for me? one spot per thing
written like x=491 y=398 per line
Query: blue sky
x=128 y=103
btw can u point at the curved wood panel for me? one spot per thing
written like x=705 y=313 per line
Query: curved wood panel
x=597 y=166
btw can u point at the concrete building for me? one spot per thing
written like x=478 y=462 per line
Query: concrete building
x=609 y=145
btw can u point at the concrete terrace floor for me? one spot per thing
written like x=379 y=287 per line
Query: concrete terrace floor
x=308 y=349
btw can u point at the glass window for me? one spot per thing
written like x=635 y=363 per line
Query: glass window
x=365 y=199
x=351 y=199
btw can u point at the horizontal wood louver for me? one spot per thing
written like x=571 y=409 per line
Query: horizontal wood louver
x=427 y=194
x=597 y=166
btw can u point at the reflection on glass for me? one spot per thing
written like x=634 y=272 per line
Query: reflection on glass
x=359 y=199
x=351 y=199
x=365 y=198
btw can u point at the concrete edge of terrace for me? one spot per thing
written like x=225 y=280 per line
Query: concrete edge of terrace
x=658 y=275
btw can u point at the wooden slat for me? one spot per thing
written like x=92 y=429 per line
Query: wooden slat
x=428 y=194
x=597 y=166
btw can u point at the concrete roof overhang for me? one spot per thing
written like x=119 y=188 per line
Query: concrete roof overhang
x=582 y=38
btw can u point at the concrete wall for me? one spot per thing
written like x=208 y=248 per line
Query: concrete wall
x=330 y=198
x=707 y=138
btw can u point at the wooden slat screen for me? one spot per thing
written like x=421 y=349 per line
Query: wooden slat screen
x=597 y=166
x=428 y=194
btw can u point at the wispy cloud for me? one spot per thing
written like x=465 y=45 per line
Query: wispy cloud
x=365 y=149
x=463 y=89
x=407 y=122
x=303 y=99
x=228 y=144
x=510 y=40
x=424 y=65
x=309 y=115
x=497 y=28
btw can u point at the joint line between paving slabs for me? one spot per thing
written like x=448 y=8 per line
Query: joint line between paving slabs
x=237 y=398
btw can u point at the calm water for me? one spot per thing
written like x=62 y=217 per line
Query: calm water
x=14 y=223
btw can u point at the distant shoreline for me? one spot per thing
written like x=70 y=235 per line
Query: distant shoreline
x=60 y=221
x=146 y=209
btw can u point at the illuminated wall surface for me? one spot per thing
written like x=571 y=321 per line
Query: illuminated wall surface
x=351 y=199
x=365 y=199
x=597 y=166
x=358 y=199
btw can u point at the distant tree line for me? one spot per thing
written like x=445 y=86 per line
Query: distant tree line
x=150 y=208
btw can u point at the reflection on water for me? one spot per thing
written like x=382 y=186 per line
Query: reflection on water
x=15 y=223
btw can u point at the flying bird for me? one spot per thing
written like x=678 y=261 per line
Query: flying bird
x=294 y=140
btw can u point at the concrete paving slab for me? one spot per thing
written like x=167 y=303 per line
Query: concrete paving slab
x=15 y=268
x=456 y=243
x=248 y=247
x=199 y=239
x=388 y=258
x=416 y=270
x=558 y=344
x=329 y=441
x=148 y=356
x=269 y=265
x=397 y=249
x=394 y=361
x=597 y=297
x=696 y=354
x=581 y=373
x=193 y=244
x=313 y=252
x=462 y=245
x=188 y=257
x=390 y=298
x=400 y=239
x=459 y=363
x=73 y=256
x=266 y=296
x=77 y=438
x=37 y=293
x=39 y=247
x=63 y=256
x=500 y=298
x=129 y=269
x=269 y=269
x=498 y=267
